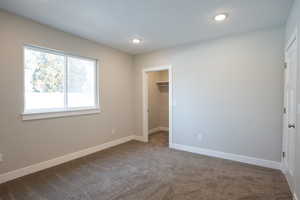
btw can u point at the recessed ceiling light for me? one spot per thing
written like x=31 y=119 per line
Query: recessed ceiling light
x=136 y=41
x=220 y=17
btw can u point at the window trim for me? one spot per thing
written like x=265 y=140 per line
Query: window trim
x=61 y=112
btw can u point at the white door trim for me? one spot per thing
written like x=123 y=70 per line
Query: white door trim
x=145 y=100
x=293 y=37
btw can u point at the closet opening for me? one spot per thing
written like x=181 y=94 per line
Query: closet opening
x=158 y=105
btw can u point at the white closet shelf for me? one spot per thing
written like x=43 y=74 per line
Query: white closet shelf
x=162 y=83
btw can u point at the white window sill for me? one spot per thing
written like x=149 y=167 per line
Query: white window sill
x=59 y=114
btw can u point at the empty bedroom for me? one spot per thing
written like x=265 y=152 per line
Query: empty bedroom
x=149 y=100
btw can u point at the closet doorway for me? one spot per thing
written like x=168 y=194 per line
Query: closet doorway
x=157 y=104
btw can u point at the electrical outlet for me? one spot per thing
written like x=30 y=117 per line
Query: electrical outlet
x=200 y=137
x=1 y=158
x=113 y=131
x=174 y=103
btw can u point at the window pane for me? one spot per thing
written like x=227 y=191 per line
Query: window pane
x=81 y=82
x=44 y=80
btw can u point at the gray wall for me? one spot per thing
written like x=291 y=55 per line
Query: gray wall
x=230 y=90
x=158 y=100
x=293 y=22
x=23 y=143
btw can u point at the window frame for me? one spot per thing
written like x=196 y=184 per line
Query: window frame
x=66 y=111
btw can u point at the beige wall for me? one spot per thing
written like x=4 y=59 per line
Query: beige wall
x=164 y=75
x=164 y=101
x=24 y=143
x=153 y=100
x=292 y=24
x=229 y=91
x=158 y=100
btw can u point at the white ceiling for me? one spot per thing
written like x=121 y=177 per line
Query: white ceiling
x=160 y=23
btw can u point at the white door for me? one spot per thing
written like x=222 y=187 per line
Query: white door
x=290 y=105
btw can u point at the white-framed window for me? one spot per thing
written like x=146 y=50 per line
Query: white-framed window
x=58 y=84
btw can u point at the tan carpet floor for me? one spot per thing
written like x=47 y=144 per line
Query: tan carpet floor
x=138 y=171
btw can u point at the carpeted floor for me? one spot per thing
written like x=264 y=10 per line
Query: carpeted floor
x=138 y=171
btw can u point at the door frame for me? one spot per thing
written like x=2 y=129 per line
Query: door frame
x=145 y=100
x=293 y=39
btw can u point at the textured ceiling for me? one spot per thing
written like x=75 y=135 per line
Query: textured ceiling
x=160 y=23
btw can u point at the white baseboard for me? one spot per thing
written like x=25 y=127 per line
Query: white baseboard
x=153 y=130
x=163 y=128
x=66 y=158
x=228 y=156
x=283 y=168
x=295 y=197
x=157 y=129
x=140 y=138
x=288 y=177
x=59 y=160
